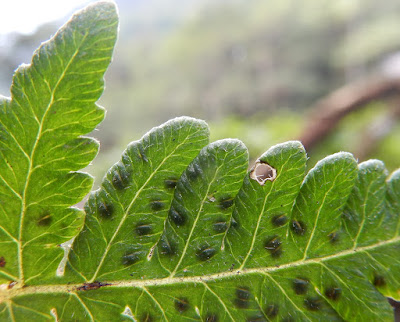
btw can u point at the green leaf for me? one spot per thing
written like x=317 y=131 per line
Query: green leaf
x=201 y=209
x=42 y=148
x=126 y=216
x=179 y=230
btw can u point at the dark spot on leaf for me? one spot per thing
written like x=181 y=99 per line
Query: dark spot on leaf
x=45 y=220
x=181 y=304
x=259 y=317
x=211 y=318
x=333 y=237
x=156 y=205
x=120 y=177
x=288 y=319
x=117 y=181
x=193 y=171
x=313 y=303
x=178 y=218
x=347 y=216
x=105 y=210
x=298 y=227
x=170 y=183
x=166 y=248
x=220 y=226
x=146 y=317
x=143 y=229
x=130 y=258
x=272 y=311
x=274 y=246
x=2 y=261
x=279 y=220
x=205 y=252
x=300 y=285
x=379 y=280
x=225 y=202
x=243 y=296
x=235 y=223
x=333 y=293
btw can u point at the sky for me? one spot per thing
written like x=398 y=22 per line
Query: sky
x=25 y=16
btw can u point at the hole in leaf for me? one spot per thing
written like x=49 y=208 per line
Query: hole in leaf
x=262 y=172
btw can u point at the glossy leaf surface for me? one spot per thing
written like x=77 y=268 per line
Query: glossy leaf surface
x=180 y=229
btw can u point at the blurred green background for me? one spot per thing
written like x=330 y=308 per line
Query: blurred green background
x=253 y=69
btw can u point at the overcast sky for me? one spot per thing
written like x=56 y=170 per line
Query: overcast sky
x=25 y=15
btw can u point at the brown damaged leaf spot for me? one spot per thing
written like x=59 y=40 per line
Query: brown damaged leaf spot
x=11 y=285
x=262 y=172
x=2 y=261
x=91 y=286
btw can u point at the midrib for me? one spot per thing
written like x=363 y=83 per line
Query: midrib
x=126 y=213
x=67 y=288
x=32 y=155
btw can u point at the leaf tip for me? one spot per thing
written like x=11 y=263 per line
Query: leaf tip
x=373 y=165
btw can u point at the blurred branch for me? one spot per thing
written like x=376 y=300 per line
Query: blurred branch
x=328 y=112
x=396 y=306
x=378 y=130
